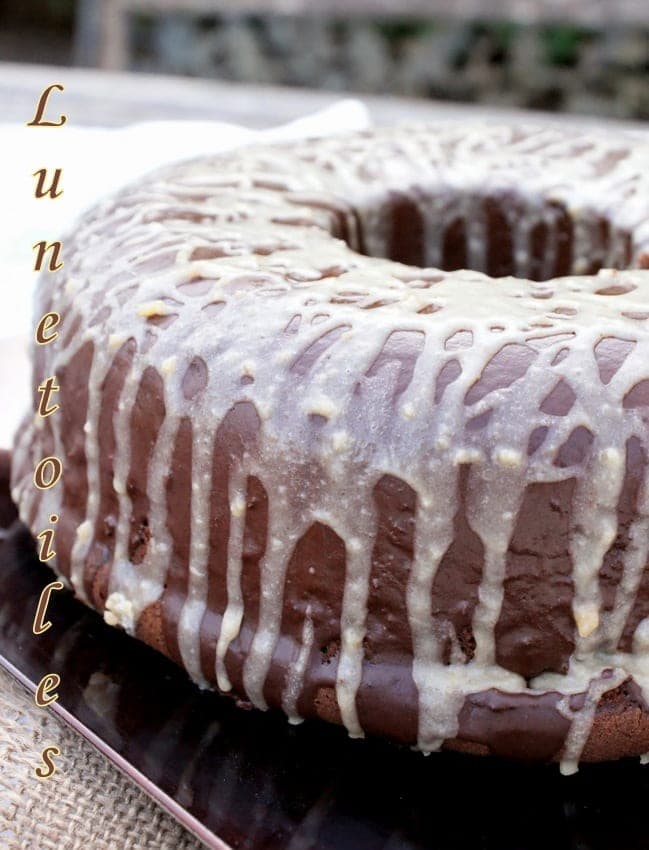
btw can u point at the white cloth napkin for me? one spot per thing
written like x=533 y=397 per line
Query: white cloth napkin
x=95 y=162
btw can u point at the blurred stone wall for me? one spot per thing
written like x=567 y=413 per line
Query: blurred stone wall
x=544 y=67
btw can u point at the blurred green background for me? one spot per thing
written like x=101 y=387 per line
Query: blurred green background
x=598 y=67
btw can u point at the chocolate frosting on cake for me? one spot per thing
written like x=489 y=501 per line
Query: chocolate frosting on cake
x=324 y=467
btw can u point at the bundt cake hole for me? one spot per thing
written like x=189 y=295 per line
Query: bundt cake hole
x=500 y=235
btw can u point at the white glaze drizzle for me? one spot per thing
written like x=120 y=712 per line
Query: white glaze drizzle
x=266 y=270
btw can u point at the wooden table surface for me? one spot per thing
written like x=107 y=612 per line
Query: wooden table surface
x=114 y=99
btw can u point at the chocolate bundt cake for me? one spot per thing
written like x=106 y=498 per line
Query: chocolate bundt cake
x=358 y=428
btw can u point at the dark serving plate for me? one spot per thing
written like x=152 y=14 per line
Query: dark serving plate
x=246 y=779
